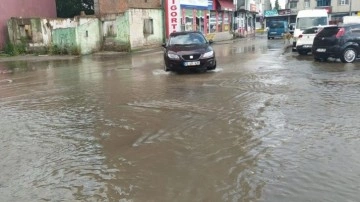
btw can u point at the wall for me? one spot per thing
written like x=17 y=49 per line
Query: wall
x=136 y=22
x=123 y=31
x=89 y=35
x=24 y=9
x=64 y=37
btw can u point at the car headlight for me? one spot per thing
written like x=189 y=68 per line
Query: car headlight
x=173 y=56
x=208 y=54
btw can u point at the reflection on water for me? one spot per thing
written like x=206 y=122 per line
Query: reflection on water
x=262 y=127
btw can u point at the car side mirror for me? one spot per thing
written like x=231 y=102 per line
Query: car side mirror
x=211 y=41
x=164 y=45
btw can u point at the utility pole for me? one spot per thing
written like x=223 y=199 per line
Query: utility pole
x=350 y=1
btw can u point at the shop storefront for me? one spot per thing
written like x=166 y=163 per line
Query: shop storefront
x=206 y=16
x=220 y=17
x=186 y=15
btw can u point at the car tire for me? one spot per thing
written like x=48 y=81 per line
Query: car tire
x=212 y=68
x=166 y=69
x=349 y=55
x=268 y=37
x=302 y=52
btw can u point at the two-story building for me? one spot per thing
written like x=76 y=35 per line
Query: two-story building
x=23 y=9
x=245 y=16
x=336 y=8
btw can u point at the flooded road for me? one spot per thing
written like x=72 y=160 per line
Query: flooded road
x=266 y=125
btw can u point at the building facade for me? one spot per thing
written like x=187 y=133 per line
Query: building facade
x=128 y=25
x=24 y=9
x=336 y=8
x=245 y=17
x=206 y=16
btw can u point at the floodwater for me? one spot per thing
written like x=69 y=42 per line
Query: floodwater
x=266 y=125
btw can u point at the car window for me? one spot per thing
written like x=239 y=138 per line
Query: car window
x=356 y=30
x=328 y=32
x=187 y=39
x=306 y=22
x=313 y=30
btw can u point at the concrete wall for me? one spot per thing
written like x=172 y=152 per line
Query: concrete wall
x=24 y=9
x=81 y=32
x=123 y=31
x=64 y=37
x=136 y=23
x=89 y=35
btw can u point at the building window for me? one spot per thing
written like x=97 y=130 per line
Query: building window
x=323 y=3
x=343 y=2
x=307 y=3
x=293 y=4
x=148 y=26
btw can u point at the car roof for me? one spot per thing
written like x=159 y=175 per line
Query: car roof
x=184 y=32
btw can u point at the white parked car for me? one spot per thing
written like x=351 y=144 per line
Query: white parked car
x=305 y=40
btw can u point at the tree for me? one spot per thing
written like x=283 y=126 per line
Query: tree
x=277 y=5
x=71 y=8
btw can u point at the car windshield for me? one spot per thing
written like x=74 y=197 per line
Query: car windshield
x=187 y=39
x=303 y=23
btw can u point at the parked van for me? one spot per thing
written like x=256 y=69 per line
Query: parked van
x=351 y=19
x=309 y=18
x=277 y=29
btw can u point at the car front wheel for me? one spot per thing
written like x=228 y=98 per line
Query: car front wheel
x=349 y=55
x=212 y=68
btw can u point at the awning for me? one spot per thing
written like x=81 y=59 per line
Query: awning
x=226 y=5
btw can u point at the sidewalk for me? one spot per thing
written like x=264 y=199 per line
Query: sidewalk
x=37 y=57
x=220 y=37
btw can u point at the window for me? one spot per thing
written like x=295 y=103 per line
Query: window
x=307 y=3
x=343 y=2
x=148 y=26
x=293 y=4
x=323 y=3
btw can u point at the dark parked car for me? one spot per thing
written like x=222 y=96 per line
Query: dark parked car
x=188 y=51
x=339 y=42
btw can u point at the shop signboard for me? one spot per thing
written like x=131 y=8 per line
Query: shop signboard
x=270 y=13
x=210 y=5
x=194 y=4
x=172 y=13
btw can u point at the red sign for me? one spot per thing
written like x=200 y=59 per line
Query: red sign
x=172 y=12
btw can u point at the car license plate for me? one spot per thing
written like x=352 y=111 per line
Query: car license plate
x=321 y=50
x=192 y=63
x=307 y=46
